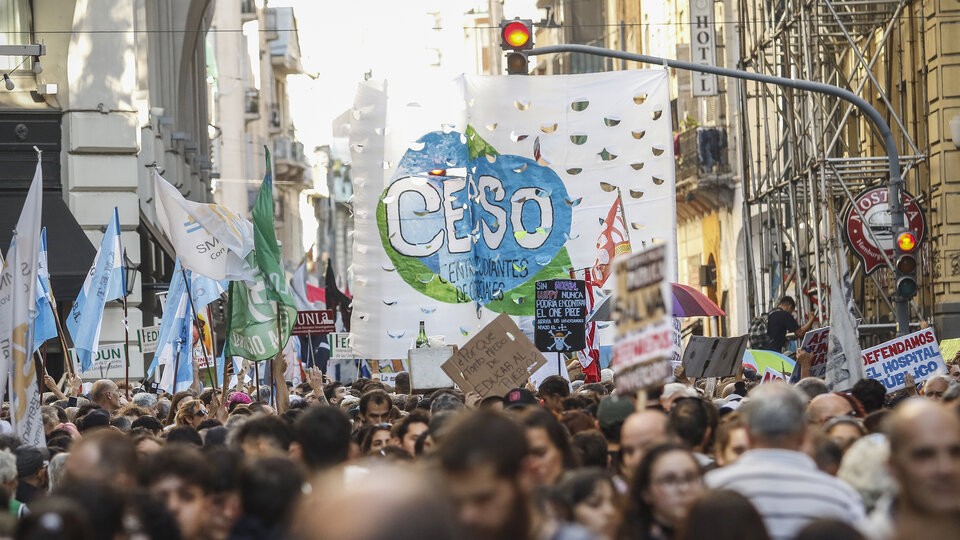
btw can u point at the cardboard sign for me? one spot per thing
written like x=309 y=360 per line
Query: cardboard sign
x=552 y=367
x=315 y=322
x=645 y=339
x=817 y=341
x=714 y=356
x=496 y=360
x=561 y=312
x=341 y=345
x=148 y=338
x=916 y=353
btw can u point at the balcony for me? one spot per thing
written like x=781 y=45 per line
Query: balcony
x=285 y=44
x=251 y=104
x=705 y=182
x=291 y=163
x=248 y=10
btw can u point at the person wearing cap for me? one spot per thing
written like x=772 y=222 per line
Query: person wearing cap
x=31 y=473
x=518 y=398
x=611 y=413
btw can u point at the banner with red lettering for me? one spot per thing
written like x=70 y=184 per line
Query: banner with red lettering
x=917 y=353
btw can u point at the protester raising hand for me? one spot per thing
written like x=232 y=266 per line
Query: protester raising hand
x=317 y=381
x=52 y=385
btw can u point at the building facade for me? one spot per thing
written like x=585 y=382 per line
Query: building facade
x=122 y=88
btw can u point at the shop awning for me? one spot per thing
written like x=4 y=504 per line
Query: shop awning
x=69 y=251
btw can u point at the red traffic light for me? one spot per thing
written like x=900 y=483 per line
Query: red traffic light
x=516 y=34
x=906 y=241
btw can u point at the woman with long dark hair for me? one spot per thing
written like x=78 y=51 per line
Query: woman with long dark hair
x=666 y=482
x=550 y=451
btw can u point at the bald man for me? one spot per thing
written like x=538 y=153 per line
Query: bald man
x=106 y=395
x=925 y=461
x=640 y=431
x=826 y=406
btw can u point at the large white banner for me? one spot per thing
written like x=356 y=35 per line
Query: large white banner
x=469 y=191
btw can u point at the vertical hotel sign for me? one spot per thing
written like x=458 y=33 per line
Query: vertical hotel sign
x=703 y=46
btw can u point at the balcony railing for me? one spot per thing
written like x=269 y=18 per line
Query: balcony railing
x=291 y=161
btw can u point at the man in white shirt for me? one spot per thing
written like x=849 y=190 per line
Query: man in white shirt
x=782 y=482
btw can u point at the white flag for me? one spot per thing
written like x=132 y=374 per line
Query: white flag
x=17 y=312
x=209 y=239
x=844 y=362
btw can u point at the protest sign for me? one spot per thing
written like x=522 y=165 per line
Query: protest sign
x=816 y=342
x=147 y=337
x=916 y=353
x=109 y=362
x=315 y=322
x=561 y=311
x=341 y=345
x=497 y=359
x=949 y=349
x=713 y=356
x=645 y=329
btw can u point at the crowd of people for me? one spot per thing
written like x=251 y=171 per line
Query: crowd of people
x=692 y=459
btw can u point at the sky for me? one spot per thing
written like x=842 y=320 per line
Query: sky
x=340 y=41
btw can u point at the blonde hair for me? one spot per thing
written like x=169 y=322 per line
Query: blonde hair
x=188 y=409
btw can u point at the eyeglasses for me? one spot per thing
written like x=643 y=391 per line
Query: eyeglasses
x=676 y=480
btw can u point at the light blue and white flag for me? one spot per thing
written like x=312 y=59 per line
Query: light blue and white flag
x=106 y=281
x=17 y=304
x=45 y=326
x=174 y=342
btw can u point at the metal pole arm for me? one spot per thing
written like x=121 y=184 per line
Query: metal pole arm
x=800 y=84
x=895 y=182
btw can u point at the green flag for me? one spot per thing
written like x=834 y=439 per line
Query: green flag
x=252 y=323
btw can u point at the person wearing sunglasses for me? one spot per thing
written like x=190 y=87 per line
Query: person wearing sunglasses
x=191 y=413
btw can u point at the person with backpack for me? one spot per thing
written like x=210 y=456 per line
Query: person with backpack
x=770 y=331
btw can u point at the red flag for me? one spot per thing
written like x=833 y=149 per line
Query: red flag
x=614 y=239
x=590 y=356
x=316 y=294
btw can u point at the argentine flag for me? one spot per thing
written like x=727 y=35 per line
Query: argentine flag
x=106 y=281
x=45 y=326
x=176 y=329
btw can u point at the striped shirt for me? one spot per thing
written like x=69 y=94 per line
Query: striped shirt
x=788 y=490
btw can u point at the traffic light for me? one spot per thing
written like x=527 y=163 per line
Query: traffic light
x=905 y=262
x=516 y=36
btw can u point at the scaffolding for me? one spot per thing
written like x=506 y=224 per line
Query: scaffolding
x=806 y=156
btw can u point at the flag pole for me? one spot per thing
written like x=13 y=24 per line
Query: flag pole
x=196 y=320
x=67 y=364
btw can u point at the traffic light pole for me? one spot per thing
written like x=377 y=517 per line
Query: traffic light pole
x=895 y=183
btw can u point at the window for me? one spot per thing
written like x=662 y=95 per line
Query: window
x=16 y=28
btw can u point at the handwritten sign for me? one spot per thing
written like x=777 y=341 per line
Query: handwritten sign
x=713 y=356
x=817 y=341
x=496 y=360
x=148 y=337
x=645 y=328
x=315 y=322
x=916 y=353
x=561 y=312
